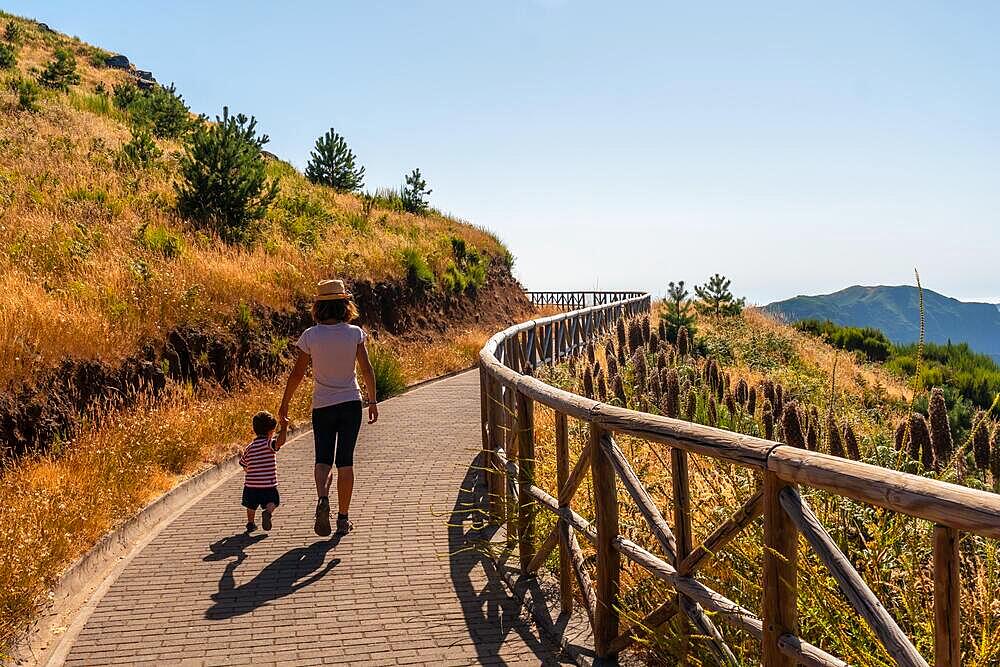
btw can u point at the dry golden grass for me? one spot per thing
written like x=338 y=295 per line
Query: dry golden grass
x=891 y=552
x=54 y=507
x=81 y=278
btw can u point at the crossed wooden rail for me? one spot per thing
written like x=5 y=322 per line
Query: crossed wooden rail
x=579 y=299
x=508 y=397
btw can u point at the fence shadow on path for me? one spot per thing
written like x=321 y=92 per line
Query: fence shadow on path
x=293 y=570
x=491 y=613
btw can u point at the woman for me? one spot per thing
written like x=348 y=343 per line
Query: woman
x=333 y=345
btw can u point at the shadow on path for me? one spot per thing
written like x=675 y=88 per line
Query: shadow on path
x=293 y=570
x=491 y=613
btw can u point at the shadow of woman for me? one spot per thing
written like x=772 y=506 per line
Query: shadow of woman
x=292 y=571
x=491 y=613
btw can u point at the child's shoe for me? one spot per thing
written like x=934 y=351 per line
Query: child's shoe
x=265 y=520
x=344 y=525
x=251 y=526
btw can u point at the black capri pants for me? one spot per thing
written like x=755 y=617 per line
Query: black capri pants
x=335 y=430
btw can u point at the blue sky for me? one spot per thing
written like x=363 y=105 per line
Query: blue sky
x=796 y=147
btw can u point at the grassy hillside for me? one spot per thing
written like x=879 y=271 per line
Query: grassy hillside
x=789 y=372
x=97 y=267
x=896 y=311
x=95 y=261
x=971 y=380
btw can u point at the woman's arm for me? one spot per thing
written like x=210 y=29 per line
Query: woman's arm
x=368 y=376
x=294 y=380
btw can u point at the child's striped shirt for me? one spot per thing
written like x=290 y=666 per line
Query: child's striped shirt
x=259 y=461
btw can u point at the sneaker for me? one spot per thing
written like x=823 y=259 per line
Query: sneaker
x=322 y=525
x=344 y=526
x=251 y=526
x=265 y=520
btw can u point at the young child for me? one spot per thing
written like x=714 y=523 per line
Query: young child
x=260 y=486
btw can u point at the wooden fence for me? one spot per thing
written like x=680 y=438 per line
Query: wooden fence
x=509 y=394
x=576 y=300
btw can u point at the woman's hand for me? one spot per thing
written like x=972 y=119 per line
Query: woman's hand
x=372 y=413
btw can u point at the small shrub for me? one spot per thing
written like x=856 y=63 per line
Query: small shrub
x=8 y=57
x=12 y=32
x=388 y=198
x=161 y=110
x=223 y=185
x=418 y=273
x=389 y=377
x=124 y=94
x=414 y=195
x=301 y=218
x=160 y=240
x=140 y=152
x=27 y=92
x=332 y=163
x=61 y=72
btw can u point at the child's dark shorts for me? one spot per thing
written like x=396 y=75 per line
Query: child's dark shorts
x=254 y=498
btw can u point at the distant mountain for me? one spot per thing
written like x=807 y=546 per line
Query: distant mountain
x=896 y=311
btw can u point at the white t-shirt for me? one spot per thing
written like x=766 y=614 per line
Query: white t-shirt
x=333 y=348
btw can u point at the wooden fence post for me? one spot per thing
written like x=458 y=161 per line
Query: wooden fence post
x=947 y=598
x=511 y=447
x=484 y=419
x=525 y=478
x=606 y=619
x=562 y=476
x=779 y=614
x=498 y=479
x=682 y=519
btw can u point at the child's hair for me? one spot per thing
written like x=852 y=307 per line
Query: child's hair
x=264 y=422
x=340 y=310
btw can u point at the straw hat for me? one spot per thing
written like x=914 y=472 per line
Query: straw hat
x=331 y=290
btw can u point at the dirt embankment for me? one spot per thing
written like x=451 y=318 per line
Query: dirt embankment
x=45 y=409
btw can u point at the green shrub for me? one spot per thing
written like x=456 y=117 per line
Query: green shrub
x=8 y=56
x=12 y=32
x=874 y=344
x=125 y=93
x=223 y=185
x=387 y=198
x=389 y=377
x=140 y=152
x=418 y=273
x=160 y=240
x=27 y=92
x=332 y=163
x=161 y=110
x=61 y=72
x=301 y=218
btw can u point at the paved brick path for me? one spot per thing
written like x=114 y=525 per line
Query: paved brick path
x=404 y=588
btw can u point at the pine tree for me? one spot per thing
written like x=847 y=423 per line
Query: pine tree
x=415 y=193
x=678 y=312
x=716 y=299
x=332 y=163
x=223 y=185
x=61 y=72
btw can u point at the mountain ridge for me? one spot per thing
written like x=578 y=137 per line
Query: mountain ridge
x=895 y=309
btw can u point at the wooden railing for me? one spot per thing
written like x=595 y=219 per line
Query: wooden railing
x=576 y=300
x=509 y=394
